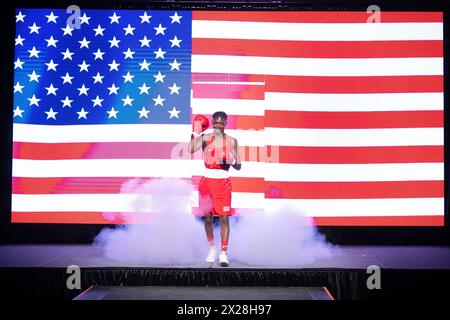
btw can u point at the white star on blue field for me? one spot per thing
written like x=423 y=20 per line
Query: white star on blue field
x=118 y=67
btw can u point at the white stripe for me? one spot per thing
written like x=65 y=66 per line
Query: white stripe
x=215 y=173
x=118 y=202
x=354 y=172
x=270 y=171
x=357 y=207
x=317 y=31
x=268 y=136
x=78 y=202
x=121 y=133
x=102 y=168
x=229 y=106
x=309 y=207
x=102 y=133
x=354 y=102
x=246 y=83
x=317 y=67
x=251 y=137
x=247 y=200
x=123 y=168
x=354 y=137
x=249 y=169
x=248 y=137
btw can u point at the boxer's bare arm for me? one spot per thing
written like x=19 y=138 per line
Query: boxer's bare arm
x=237 y=156
x=196 y=143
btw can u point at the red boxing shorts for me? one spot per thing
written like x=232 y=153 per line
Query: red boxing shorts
x=215 y=196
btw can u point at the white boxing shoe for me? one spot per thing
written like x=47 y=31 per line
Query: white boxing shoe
x=211 y=255
x=223 y=259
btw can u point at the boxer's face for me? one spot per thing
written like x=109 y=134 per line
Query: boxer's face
x=219 y=124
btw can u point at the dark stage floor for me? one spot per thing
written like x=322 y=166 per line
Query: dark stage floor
x=347 y=257
x=407 y=272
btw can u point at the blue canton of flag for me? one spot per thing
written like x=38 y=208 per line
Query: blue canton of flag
x=122 y=66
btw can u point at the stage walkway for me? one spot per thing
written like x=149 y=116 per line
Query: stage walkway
x=407 y=272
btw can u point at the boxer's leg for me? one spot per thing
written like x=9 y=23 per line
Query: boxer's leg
x=224 y=207
x=209 y=228
x=224 y=232
x=205 y=204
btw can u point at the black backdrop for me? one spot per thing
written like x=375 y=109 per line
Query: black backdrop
x=80 y=233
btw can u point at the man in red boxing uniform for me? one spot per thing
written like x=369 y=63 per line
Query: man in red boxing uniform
x=220 y=152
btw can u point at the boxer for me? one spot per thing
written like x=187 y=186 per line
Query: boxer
x=220 y=152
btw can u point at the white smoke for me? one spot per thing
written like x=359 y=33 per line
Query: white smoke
x=167 y=233
x=284 y=238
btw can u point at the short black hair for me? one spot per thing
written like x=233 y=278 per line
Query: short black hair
x=220 y=114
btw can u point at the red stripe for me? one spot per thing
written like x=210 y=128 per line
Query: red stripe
x=123 y=150
x=313 y=84
x=349 y=155
x=254 y=185
x=354 y=190
x=97 y=218
x=316 y=16
x=272 y=189
x=242 y=122
x=372 y=84
x=227 y=77
x=430 y=221
x=354 y=120
x=318 y=49
x=228 y=91
x=94 y=150
x=254 y=153
x=281 y=154
x=63 y=217
x=72 y=185
x=120 y=150
x=103 y=218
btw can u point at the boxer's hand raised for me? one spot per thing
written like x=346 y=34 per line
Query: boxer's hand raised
x=200 y=124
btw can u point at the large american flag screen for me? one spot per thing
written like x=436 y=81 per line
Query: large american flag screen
x=338 y=118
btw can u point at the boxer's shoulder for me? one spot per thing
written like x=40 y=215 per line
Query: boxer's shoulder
x=206 y=140
x=207 y=137
x=231 y=138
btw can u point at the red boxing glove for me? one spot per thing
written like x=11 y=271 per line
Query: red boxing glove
x=229 y=157
x=200 y=124
x=226 y=157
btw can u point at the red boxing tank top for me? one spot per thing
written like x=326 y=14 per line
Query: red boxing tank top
x=216 y=156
